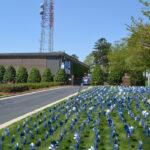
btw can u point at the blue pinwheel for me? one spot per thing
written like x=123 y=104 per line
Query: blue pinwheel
x=39 y=143
x=12 y=141
x=140 y=145
x=7 y=133
x=17 y=146
x=32 y=146
x=46 y=137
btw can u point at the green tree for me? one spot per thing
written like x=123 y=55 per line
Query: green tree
x=75 y=56
x=21 y=75
x=2 y=72
x=146 y=9
x=102 y=48
x=89 y=60
x=137 y=78
x=97 y=76
x=34 y=76
x=60 y=76
x=47 y=75
x=9 y=75
x=117 y=63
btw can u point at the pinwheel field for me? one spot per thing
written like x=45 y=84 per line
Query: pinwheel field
x=102 y=118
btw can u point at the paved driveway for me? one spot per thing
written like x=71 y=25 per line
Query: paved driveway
x=14 y=107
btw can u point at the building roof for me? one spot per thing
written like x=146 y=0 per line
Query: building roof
x=44 y=54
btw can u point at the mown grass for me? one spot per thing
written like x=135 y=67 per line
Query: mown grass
x=87 y=138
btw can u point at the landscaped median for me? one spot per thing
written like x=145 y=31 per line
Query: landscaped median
x=100 y=118
x=26 y=86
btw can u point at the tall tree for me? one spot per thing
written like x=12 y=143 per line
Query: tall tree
x=89 y=60
x=146 y=9
x=102 y=48
x=75 y=56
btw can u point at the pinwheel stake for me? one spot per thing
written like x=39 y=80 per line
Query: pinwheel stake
x=22 y=135
x=18 y=129
x=64 y=133
x=24 y=142
x=38 y=144
x=32 y=145
x=31 y=121
x=140 y=145
x=1 y=141
x=148 y=133
x=17 y=146
x=37 y=132
x=46 y=137
x=60 y=139
x=7 y=134
x=12 y=141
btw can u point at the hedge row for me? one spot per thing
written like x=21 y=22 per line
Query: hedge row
x=34 y=76
x=26 y=86
x=13 y=88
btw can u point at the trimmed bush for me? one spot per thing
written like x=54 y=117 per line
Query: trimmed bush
x=43 y=85
x=13 y=88
x=47 y=75
x=2 y=72
x=34 y=76
x=137 y=78
x=60 y=76
x=9 y=75
x=115 y=77
x=97 y=76
x=22 y=75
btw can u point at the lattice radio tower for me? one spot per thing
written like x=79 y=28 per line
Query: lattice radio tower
x=47 y=26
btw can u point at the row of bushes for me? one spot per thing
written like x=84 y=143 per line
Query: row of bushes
x=34 y=76
x=26 y=86
x=115 y=77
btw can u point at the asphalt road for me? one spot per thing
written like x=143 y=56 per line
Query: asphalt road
x=12 y=108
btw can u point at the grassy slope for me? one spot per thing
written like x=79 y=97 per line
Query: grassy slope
x=87 y=138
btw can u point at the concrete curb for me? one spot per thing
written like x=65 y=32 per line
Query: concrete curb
x=35 y=111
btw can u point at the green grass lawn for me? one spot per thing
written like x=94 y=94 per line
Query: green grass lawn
x=94 y=103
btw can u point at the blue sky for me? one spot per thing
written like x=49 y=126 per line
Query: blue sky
x=78 y=24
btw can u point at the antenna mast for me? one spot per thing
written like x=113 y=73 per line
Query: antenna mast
x=47 y=26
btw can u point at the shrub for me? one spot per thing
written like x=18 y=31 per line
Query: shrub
x=34 y=76
x=13 y=88
x=10 y=74
x=60 y=76
x=137 y=78
x=2 y=71
x=47 y=75
x=115 y=77
x=43 y=85
x=22 y=75
x=97 y=76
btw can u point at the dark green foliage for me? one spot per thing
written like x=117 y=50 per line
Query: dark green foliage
x=78 y=70
x=22 y=75
x=97 y=76
x=9 y=75
x=115 y=77
x=13 y=88
x=47 y=75
x=43 y=85
x=137 y=78
x=60 y=76
x=102 y=48
x=34 y=76
x=75 y=56
x=2 y=71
